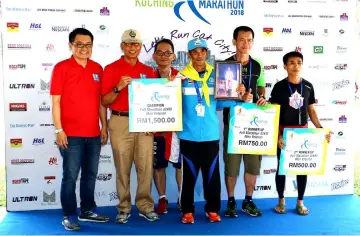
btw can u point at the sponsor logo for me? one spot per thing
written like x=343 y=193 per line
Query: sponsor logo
x=51 y=10
x=50 y=48
x=35 y=26
x=340 y=85
x=307 y=33
x=113 y=196
x=340 y=66
x=15 y=142
x=271 y=1
x=104 y=11
x=25 y=199
x=46 y=125
x=21 y=86
x=273 y=16
x=325 y=33
x=300 y=16
x=298 y=49
x=326 y=16
x=103 y=29
x=269 y=171
x=268 y=31
x=49 y=179
x=344 y=17
x=49 y=199
x=234 y=7
x=18 y=66
x=12 y=27
x=17 y=107
x=100 y=194
x=105 y=159
x=314 y=184
x=318 y=49
x=44 y=106
x=337 y=102
x=340 y=49
x=44 y=87
x=46 y=66
x=268 y=85
x=286 y=31
x=18 y=9
x=22 y=125
x=19 y=46
x=104 y=177
x=339 y=168
x=38 y=141
x=262 y=188
x=22 y=161
x=341 y=32
x=273 y=49
x=292 y=1
x=271 y=67
x=20 y=181
x=60 y=28
x=340 y=151
x=53 y=161
x=317 y=67
x=83 y=10
x=340 y=184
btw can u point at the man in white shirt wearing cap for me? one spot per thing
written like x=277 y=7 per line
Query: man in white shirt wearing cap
x=129 y=147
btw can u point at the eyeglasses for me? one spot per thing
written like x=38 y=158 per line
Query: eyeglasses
x=162 y=53
x=81 y=45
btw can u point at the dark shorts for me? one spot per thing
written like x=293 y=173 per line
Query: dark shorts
x=159 y=154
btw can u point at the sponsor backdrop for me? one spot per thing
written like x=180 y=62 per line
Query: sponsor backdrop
x=35 y=36
x=357 y=102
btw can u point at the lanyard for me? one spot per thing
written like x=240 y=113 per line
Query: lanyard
x=199 y=97
x=250 y=76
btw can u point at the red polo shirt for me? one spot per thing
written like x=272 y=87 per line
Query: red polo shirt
x=79 y=88
x=112 y=75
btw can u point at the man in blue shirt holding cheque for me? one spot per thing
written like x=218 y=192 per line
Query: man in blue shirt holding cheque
x=199 y=140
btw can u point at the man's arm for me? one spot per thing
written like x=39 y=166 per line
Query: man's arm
x=313 y=116
x=103 y=116
x=56 y=111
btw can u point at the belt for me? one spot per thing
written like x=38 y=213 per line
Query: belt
x=120 y=113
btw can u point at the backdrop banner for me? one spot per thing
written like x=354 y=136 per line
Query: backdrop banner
x=35 y=37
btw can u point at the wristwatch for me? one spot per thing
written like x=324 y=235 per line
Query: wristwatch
x=116 y=90
x=58 y=131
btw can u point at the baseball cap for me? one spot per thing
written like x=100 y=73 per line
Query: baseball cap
x=131 y=36
x=197 y=43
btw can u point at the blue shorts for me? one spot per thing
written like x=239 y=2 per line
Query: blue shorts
x=159 y=154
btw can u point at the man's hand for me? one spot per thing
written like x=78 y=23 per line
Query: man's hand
x=281 y=143
x=124 y=81
x=247 y=96
x=261 y=102
x=61 y=139
x=328 y=136
x=104 y=135
x=240 y=89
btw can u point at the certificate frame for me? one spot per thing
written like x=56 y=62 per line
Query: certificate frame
x=225 y=83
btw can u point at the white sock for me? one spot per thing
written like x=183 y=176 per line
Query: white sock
x=162 y=196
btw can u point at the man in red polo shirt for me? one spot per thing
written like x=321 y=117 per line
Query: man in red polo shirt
x=163 y=56
x=128 y=147
x=76 y=108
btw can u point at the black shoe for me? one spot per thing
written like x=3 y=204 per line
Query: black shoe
x=92 y=216
x=70 y=223
x=231 y=209
x=178 y=205
x=250 y=208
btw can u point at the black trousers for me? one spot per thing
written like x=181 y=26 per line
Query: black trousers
x=281 y=179
x=204 y=156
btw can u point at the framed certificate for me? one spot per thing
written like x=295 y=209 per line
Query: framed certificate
x=227 y=79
